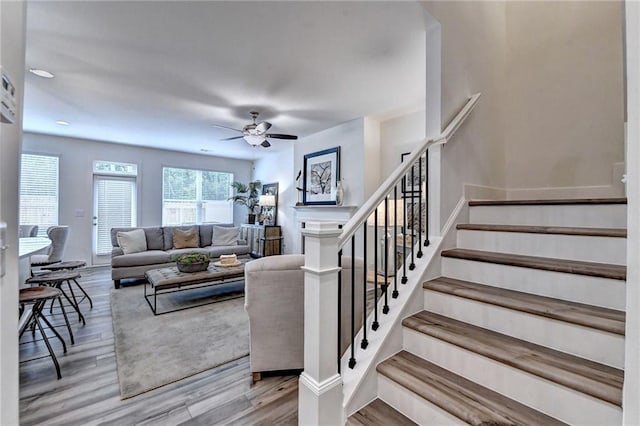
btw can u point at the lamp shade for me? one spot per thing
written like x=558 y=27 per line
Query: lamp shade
x=267 y=200
x=395 y=210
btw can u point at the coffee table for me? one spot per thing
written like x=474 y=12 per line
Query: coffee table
x=170 y=280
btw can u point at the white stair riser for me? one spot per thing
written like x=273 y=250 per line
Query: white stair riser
x=595 y=291
x=574 y=247
x=534 y=391
x=413 y=406
x=596 y=345
x=595 y=216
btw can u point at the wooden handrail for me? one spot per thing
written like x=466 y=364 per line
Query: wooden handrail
x=360 y=217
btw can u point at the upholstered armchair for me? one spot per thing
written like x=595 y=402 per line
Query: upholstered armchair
x=274 y=301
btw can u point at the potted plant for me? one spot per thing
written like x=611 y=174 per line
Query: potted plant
x=192 y=262
x=248 y=196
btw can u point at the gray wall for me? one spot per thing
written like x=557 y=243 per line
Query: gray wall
x=76 y=180
x=12 y=50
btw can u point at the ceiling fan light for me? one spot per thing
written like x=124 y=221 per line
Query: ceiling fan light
x=253 y=140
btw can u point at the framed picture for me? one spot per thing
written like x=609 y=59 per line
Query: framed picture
x=413 y=180
x=321 y=174
x=271 y=213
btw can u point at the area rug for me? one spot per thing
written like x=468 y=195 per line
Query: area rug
x=153 y=351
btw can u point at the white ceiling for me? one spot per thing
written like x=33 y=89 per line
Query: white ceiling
x=160 y=73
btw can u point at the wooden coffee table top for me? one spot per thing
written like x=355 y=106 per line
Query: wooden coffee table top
x=171 y=277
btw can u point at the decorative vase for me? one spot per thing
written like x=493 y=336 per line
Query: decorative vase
x=192 y=267
x=339 y=193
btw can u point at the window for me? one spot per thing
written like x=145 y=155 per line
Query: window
x=195 y=196
x=39 y=191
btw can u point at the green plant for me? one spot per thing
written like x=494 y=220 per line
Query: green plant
x=247 y=195
x=189 y=258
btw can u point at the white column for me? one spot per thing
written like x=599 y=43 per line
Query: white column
x=320 y=386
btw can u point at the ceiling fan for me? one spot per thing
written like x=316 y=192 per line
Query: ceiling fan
x=256 y=133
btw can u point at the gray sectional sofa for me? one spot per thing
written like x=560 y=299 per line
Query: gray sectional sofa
x=160 y=251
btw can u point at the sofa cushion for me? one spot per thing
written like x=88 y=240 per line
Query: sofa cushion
x=205 y=231
x=149 y=257
x=168 y=235
x=185 y=239
x=216 y=251
x=224 y=236
x=155 y=239
x=153 y=234
x=132 y=241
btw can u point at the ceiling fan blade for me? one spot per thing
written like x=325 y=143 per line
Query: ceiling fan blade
x=280 y=136
x=265 y=144
x=231 y=138
x=226 y=127
x=262 y=127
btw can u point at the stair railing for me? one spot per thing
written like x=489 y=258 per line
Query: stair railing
x=397 y=211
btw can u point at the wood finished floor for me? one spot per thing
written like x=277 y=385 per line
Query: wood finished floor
x=88 y=392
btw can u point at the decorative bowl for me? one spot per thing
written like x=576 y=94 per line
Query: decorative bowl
x=192 y=267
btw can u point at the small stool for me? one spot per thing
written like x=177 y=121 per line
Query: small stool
x=71 y=265
x=56 y=279
x=38 y=296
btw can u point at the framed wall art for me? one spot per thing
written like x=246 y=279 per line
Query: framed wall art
x=414 y=180
x=270 y=213
x=321 y=174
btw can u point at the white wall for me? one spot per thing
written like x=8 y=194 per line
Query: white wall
x=371 y=151
x=278 y=167
x=631 y=390
x=349 y=137
x=565 y=101
x=76 y=180
x=398 y=135
x=473 y=59
x=12 y=50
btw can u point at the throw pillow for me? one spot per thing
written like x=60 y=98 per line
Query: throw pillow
x=185 y=238
x=224 y=236
x=132 y=241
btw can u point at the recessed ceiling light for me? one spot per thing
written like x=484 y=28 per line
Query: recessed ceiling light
x=41 y=73
x=62 y=123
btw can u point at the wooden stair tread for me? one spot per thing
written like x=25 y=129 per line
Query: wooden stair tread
x=458 y=396
x=563 y=201
x=603 y=270
x=378 y=413
x=596 y=317
x=555 y=230
x=589 y=377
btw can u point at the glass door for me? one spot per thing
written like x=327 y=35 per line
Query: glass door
x=114 y=206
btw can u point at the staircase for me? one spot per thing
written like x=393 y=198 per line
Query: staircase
x=525 y=325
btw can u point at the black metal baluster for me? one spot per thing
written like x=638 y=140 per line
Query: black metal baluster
x=426 y=210
x=395 y=241
x=385 y=308
x=364 y=342
x=352 y=360
x=420 y=208
x=375 y=324
x=386 y=249
x=339 y=308
x=404 y=230
x=412 y=266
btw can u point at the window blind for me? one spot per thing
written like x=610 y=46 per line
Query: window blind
x=115 y=208
x=39 y=191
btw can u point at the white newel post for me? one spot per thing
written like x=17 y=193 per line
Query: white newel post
x=320 y=385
